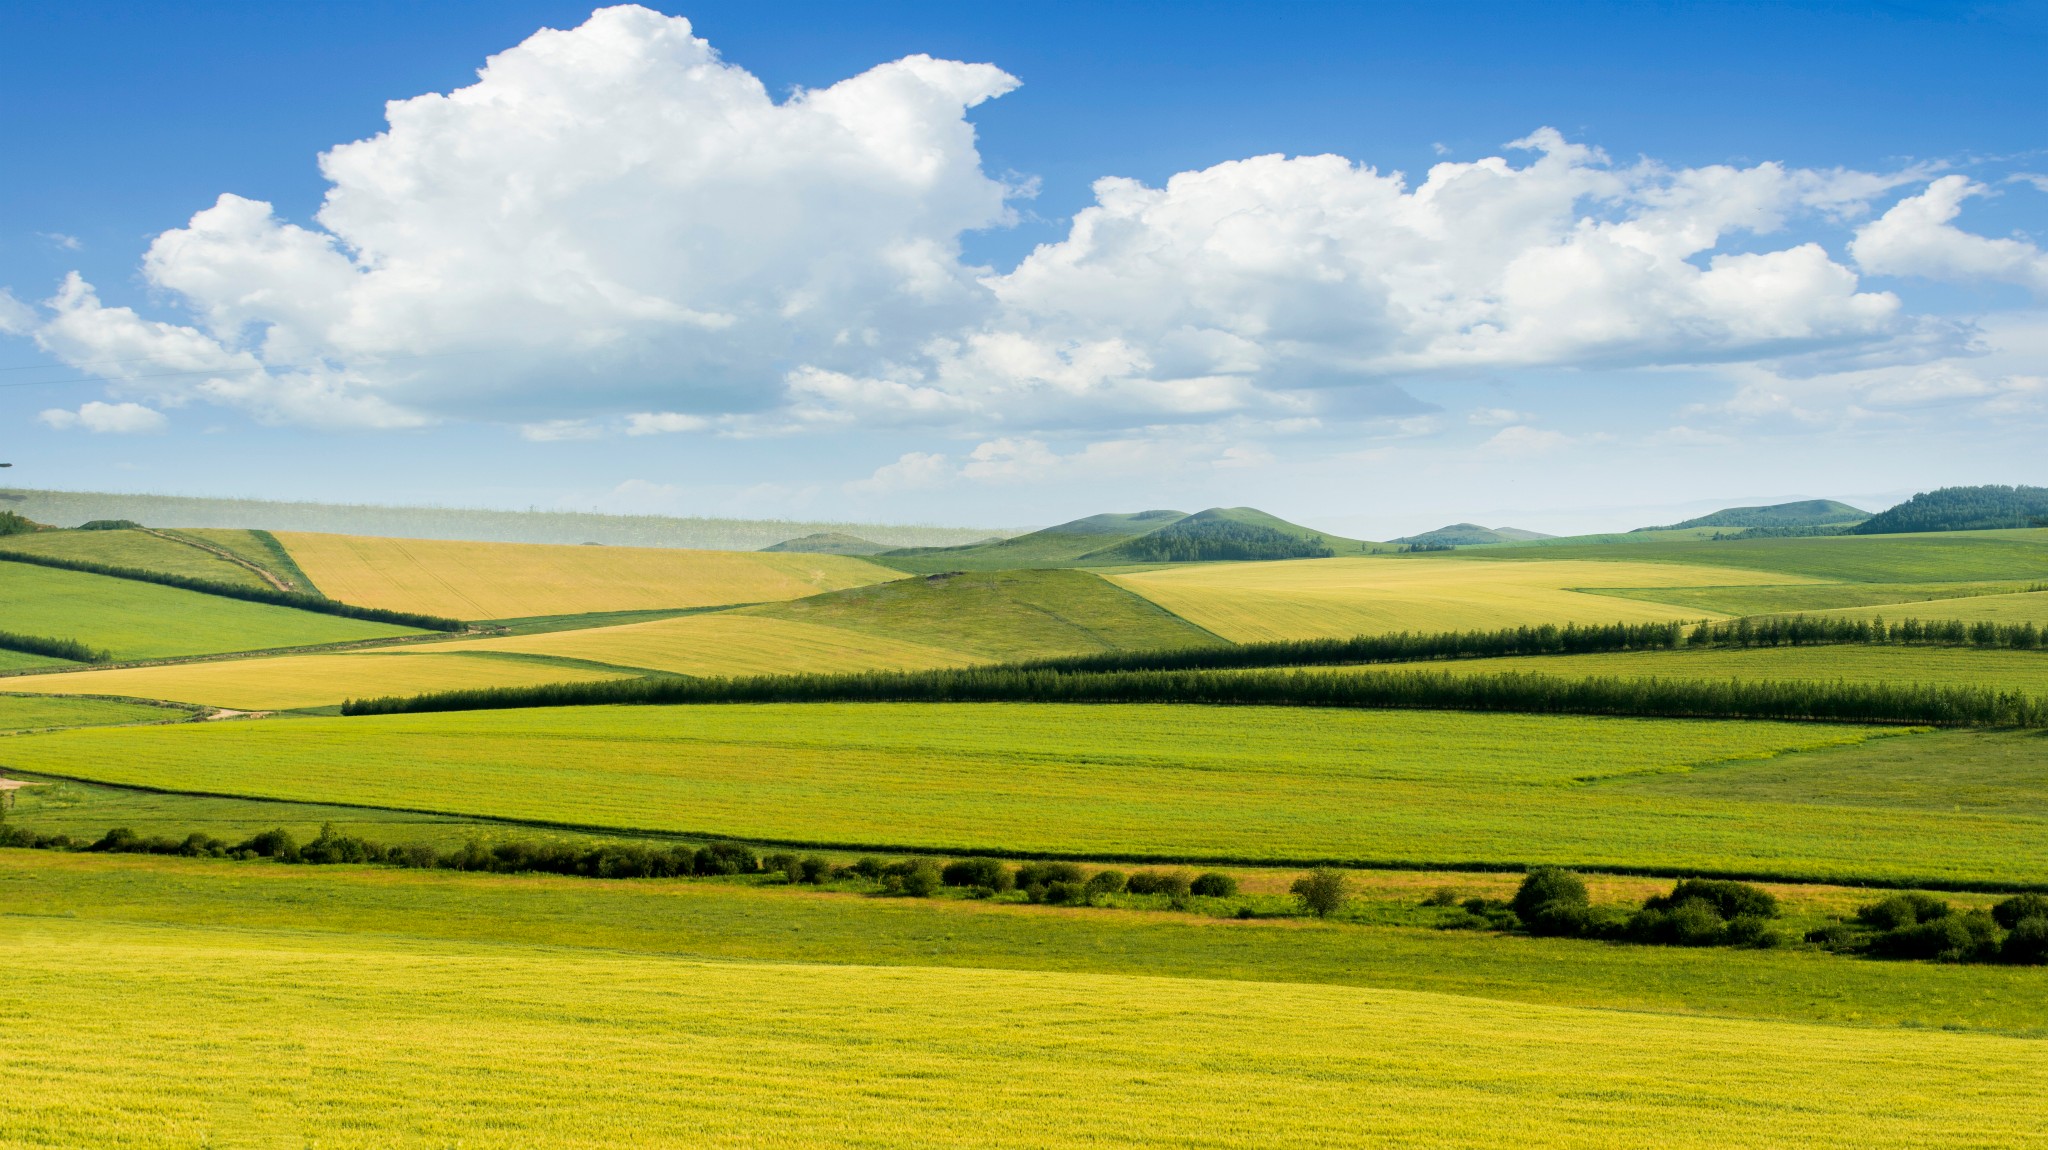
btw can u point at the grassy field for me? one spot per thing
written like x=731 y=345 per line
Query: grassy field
x=1133 y=781
x=291 y=681
x=1002 y=615
x=32 y=713
x=2023 y=608
x=1250 y=602
x=22 y=661
x=1961 y=556
x=137 y=549
x=722 y=643
x=1812 y=597
x=2019 y=670
x=145 y=621
x=516 y=580
x=258 y=547
x=319 y=1039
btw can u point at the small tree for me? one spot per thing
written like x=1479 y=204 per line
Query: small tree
x=1322 y=891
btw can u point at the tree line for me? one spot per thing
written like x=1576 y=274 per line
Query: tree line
x=1927 y=704
x=319 y=604
x=1819 y=630
x=70 y=649
x=1398 y=647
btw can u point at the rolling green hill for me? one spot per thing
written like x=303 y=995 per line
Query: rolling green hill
x=1804 y=513
x=138 y=550
x=1963 y=509
x=1220 y=533
x=830 y=543
x=1023 y=614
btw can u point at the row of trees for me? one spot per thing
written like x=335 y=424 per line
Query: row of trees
x=1398 y=647
x=70 y=649
x=1825 y=630
x=1915 y=925
x=319 y=604
x=1697 y=912
x=1930 y=704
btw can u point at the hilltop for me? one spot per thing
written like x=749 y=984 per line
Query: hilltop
x=830 y=543
x=1472 y=535
x=1803 y=513
x=1220 y=533
x=1985 y=508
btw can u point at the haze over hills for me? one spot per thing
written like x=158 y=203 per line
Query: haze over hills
x=1472 y=535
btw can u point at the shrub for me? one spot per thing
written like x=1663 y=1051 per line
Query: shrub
x=1835 y=936
x=1105 y=882
x=921 y=879
x=2028 y=942
x=1322 y=891
x=1214 y=884
x=780 y=863
x=414 y=855
x=724 y=859
x=1443 y=896
x=1752 y=930
x=1553 y=901
x=1172 y=883
x=868 y=867
x=1948 y=937
x=986 y=874
x=813 y=869
x=1729 y=899
x=1901 y=911
x=1059 y=892
x=2013 y=911
x=1046 y=873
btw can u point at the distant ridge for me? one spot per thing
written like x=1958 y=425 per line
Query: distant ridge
x=69 y=508
x=1986 y=508
x=830 y=543
x=1472 y=535
x=1804 y=513
x=1220 y=533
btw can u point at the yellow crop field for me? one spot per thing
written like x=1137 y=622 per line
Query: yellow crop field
x=1311 y=598
x=520 y=580
x=721 y=644
x=328 y=1039
x=289 y=681
x=2028 y=607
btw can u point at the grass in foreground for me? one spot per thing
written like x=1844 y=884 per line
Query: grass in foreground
x=135 y=620
x=1247 y=783
x=317 y=1037
x=1339 y=598
x=516 y=580
x=1003 y=615
x=286 y=682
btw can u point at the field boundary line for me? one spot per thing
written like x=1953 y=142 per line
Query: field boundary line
x=1467 y=866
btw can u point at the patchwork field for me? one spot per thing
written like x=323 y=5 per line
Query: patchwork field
x=723 y=643
x=313 y=1038
x=1001 y=615
x=1338 y=598
x=31 y=713
x=135 y=620
x=2022 y=608
x=1814 y=597
x=520 y=580
x=136 y=549
x=290 y=681
x=1111 y=780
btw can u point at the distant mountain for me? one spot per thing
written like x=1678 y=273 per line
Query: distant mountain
x=830 y=543
x=1804 y=513
x=1137 y=537
x=1472 y=535
x=1962 y=509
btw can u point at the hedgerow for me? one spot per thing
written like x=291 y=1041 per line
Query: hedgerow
x=318 y=604
x=70 y=649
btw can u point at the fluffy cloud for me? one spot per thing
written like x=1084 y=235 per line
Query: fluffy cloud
x=615 y=231
x=106 y=418
x=1918 y=238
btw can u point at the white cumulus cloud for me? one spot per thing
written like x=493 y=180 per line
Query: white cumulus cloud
x=107 y=418
x=1918 y=237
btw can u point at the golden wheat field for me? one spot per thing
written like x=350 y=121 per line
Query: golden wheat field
x=290 y=681
x=1311 y=598
x=521 y=580
x=721 y=644
x=315 y=1039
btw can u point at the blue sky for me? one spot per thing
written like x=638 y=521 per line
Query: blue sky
x=1761 y=252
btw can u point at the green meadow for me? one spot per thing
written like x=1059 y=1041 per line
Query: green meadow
x=1173 y=782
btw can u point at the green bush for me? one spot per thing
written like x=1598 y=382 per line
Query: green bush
x=780 y=863
x=1443 y=896
x=1214 y=884
x=725 y=859
x=1835 y=936
x=1901 y=911
x=1045 y=873
x=1729 y=899
x=1322 y=891
x=1171 y=883
x=868 y=867
x=1752 y=930
x=1106 y=882
x=2028 y=942
x=1947 y=937
x=2012 y=911
x=921 y=879
x=1553 y=901
x=986 y=874
x=813 y=869
x=1060 y=892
